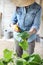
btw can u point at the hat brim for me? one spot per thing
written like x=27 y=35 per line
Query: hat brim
x=21 y=3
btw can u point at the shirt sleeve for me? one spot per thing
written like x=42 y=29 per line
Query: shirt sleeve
x=36 y=23
x=14 y=18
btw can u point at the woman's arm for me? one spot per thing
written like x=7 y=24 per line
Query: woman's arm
x=36 y=24
x=14 y=23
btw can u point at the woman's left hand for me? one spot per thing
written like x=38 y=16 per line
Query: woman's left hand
x=33 y=31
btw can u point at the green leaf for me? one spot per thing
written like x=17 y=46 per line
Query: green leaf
x=5 y=63
x=25 y=56
x=42 y=60
x=41 y=64
x=31 y=59
x=34 y=59
x=33 y=63
x=21 y=61
x=24 y=35
x=24 y=45
x=7 y=55
x=1 y=62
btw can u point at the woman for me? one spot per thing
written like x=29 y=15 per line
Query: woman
x=26 y=18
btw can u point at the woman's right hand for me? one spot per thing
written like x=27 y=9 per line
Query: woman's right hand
x=15 y=28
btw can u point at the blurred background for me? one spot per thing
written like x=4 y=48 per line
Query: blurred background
x=7 y=8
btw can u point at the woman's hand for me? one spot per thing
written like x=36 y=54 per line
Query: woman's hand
x=32 y=31
x=15 y=28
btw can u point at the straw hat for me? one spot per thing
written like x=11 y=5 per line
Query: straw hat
x=21 y=3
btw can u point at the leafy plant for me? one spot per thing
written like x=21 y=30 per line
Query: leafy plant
x=23 y=43
x=21 y=61
x=33 y=59
x=1 y=62
x=7 y=57
x=24 y=35
x=26 y=59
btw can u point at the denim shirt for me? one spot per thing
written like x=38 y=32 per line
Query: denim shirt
x=27 y=18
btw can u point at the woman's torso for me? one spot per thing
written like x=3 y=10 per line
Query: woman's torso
x=26 y=18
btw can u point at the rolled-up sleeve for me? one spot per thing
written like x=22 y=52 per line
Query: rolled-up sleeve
x=37 y=20
x=14 y=18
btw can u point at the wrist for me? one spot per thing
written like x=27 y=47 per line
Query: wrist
x=30 y=33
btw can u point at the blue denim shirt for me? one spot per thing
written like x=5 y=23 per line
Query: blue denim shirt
x=27 y=18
